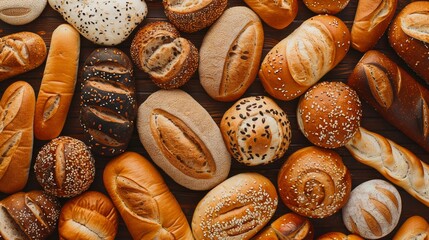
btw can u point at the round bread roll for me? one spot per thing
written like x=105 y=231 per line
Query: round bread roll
x=21 y=12
x=235 y=209
x=373 y=209
x=256 y=130
x=326 y=6
x=414 y=227
x=90 y=216
x=338 y=236
x=276 y=14
x=65 y=167
x=329 y=114
x=314 y=182
x=288 y=226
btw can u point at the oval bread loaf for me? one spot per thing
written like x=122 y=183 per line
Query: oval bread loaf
x=144 y=201
x=182 y=138
x=301 y=59
x=58 y=83
x=338 y=236
x=277 y=14
x=414 y=227
x=16 y=136
x=108 y=101
x=235 y=209
x=229 y=65
x=326 y=6
x=20 y=52
x=21 y=12
x=288 y=226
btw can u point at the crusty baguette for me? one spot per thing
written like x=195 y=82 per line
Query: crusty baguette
x=396 y=163
x=371 y=21
x=414 y=227
x=16 y=136
x=396 y=95
x=301 y=59
x=20 y=52
x=58 y=83
x=148 y=208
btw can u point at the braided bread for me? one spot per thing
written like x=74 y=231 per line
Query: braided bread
x=396 y=163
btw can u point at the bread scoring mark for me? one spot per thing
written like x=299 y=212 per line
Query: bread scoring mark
x=389 y=194
x=137 y=199
x=106 y=114
x=60 y=165
x=416 y=25
x=382 y=209
x=10 y=229
x=238 y=61
x=367 y=147
x=166 y=58
x=37 y=211
x=16 y=12
x=104 y=139
x=181 y=146
x=378 y=15
x=51 y=107
x=228 y=214
x=379 y=84
x=106 y=86
x=13 y=50
x=111 y=67
x=7 y=151
x=294 y=228
x=425 y=117
x=372 y=223
x=10 y=109
x=285 y=4
x=187 y=5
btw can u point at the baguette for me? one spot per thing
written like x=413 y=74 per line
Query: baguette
x=20 y=53
x=397 y=96
x=144 y=201
x=16 y=136
x=396 y=163
x=301 y=59
x=414 y=227
x=58 y=83
x=371 y=21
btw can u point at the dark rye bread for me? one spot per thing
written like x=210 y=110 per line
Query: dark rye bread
x=108 y=101
x=31 y=215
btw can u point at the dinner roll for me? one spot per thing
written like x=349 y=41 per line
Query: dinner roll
x=288 y=226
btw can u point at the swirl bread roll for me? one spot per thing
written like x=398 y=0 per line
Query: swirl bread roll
x=65 y=167
x=32 y=215
x=301 y=59
x=16 y=136
x=373 y=209
x=20 y=52
x=338 y=236
x=235 y=209
x=414 y=227
x=256 y=130
x=21 y=12
x=314 y=182
x=182 y=138
x=326 y=6
x=144 y=201
x=277 y=14
x=58 y=83
x=229 y=65
x=288 y=226
x=89 y=216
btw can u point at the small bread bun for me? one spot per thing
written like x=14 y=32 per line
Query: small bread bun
x=65 y=167
x=256 y=130
x=277 y=14
x=414 y=227
x=338 y=236
x=314 y=182
x=373 y=209
x=326 y=6
x=329 y=114
x=288 y=226
x=90 y=216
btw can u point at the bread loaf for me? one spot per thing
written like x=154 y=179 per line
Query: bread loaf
x=89 y=216
x=408 y=35
x=169 y=59
x=229 y=65
x=288 y=226
x=256 y=130
x=301 y=59
x=371 y=21
x=314 y=182
x=65 y=167
x=21 y=12
x=277 y=14
x=182 y=138
x=414 y=227
x=32 y=215
x=108 y=101
x=191 y=16
x=395 y=94
x=235 y=209
x=58 y=83
x=396 y=163
x=20 y=52
x=373 y=209
x=144 y=201
x=16 y=136
x=326 y=6
x=102 y=22
x=338 y=236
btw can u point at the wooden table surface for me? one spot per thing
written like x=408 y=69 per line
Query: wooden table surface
x=188 y=199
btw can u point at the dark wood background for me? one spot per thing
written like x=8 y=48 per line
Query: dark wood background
x=50 y=19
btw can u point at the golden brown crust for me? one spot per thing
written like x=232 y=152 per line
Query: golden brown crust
x=58 y=83
x=89 y=216
x=414 y=227
x=131 y=180
x=277 y=14
x=288 y=226
x=326 y=6
x=237 y=208
x=16 y=136
x=314 y=182
x=20 y=52
x=293 y=65
x=338 y=236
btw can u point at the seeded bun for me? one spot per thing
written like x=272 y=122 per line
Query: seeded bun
x=329 y=114
x=65 y=167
